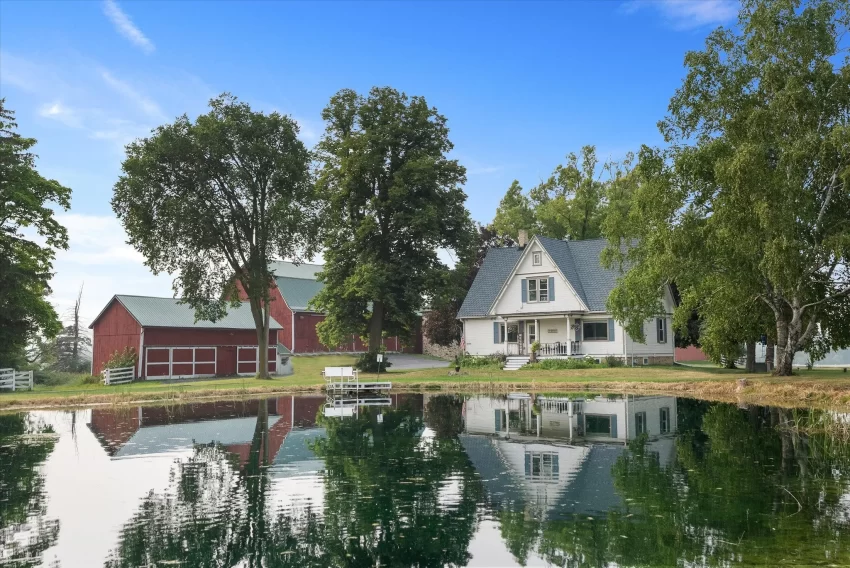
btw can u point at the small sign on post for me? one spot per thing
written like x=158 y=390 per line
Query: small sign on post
x=380 y=358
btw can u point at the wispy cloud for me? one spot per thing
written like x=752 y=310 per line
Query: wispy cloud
x=688 y=14
x=61 y=113
x=147 y=105
x=125 y=26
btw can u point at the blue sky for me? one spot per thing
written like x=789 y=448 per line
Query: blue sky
x=522 y=85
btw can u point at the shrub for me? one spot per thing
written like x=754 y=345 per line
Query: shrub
x=481 y=361
x=561 y=364
x=368 y=363
x=119 y=359
x=613 y=361
x=56 y=378
x=535 y=347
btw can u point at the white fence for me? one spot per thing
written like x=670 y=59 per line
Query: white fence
x=119 y=375
x=15 y=380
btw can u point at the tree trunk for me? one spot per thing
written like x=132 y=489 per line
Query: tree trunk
x=263 y=367
x=261 y=323
x=750 y=361
x=769 y=355
x=785 y=360
x=376 y=327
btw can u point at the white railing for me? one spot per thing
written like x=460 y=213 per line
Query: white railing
x=119 y=375
x=340 y=374
x=15 y=380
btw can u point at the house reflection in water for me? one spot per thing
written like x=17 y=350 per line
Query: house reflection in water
x=554 y=456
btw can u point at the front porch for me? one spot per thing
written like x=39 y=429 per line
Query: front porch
x=559 y=336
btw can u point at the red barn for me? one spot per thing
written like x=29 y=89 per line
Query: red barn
x=171 y=344
x=295 y=286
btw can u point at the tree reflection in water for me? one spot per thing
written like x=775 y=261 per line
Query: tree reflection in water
x=759 y=486
x=25 y=530
x=746 y=487
x=392 y=497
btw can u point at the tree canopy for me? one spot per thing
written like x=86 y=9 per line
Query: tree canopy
x=747 y=208
x=571 y=203
x=25 y=265
x=214 y=200
x=393 y=200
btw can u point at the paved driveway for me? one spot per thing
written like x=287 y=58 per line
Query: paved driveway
x=410 y=361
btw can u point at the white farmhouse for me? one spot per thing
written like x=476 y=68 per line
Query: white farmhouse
x=554 y=292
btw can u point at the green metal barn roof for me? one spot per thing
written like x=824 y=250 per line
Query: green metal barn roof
x=297 y=284
x=168 y=312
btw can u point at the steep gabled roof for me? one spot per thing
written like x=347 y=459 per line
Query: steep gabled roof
x=495 y=270
x=579 y=261
x=168 y=312
x=297 y=284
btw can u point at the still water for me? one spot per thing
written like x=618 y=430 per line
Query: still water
x=426 y=480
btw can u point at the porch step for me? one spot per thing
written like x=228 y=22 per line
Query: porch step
x=515 y=363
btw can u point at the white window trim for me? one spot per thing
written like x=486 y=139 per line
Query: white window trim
x=537 y=258
x=585 y=322
x=537 y=290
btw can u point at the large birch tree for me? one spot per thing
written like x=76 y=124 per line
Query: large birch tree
x=751 y=200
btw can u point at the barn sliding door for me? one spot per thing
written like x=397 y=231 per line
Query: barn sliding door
x=247 y=360
x=180 y=362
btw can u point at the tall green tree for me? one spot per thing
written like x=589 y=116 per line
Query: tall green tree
x=214 y=200
x=25 y=265
x=515 y=213
x=393 y=200
x=571 y=203
x=753 y=189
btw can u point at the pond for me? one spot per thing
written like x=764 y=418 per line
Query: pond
x=426 y=480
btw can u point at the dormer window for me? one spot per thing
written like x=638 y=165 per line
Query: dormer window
x=537 y=258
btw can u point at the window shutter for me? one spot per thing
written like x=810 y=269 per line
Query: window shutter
x=528 y=464
x=498 y=420
x=551 y=288
x=579 y=328
x=613 y=425
x=524 y=290
x=496 y=332
x=610 y=329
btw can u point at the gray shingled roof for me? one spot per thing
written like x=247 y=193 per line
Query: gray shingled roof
x=494 y=271
x=167 y=312
x=578 y=260
x=297 y=284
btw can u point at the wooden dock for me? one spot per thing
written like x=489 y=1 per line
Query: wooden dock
x=357 y=386
x=339 y=380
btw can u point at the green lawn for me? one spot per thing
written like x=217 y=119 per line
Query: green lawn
x=308 y=377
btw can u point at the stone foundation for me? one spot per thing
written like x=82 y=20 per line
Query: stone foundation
x=653 y=360
x=447 y=353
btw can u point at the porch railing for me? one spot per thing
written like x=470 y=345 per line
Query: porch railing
x=515 y=349
x=559 y=348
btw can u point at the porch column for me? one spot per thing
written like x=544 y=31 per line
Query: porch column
x=536 y=332
x=569 y=341
x=505 y=343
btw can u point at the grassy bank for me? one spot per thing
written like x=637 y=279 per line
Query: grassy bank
x=818 y=387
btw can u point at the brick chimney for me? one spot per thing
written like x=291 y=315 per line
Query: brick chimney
x=522 y=238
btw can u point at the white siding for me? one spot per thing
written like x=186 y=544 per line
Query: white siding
x=510 y=303
x=602 y=348
x=651 y=347
x=479 y=337
x=652 y=405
